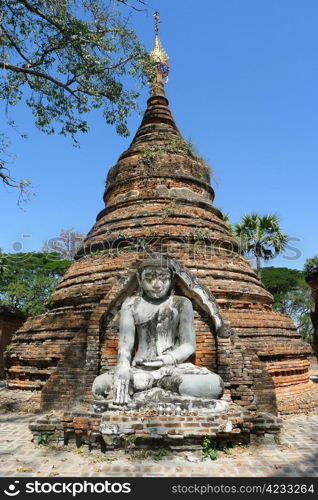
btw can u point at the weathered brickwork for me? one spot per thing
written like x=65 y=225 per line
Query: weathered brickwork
x=10 y=321
x=114 y=430
x=158 y=198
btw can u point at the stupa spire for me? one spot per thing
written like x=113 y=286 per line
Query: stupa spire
x=161 y=59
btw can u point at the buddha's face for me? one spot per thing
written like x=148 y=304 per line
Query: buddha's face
x=156 y=282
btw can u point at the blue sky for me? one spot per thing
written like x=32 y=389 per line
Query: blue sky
x=243 y=85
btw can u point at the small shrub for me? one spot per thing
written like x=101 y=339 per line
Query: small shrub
x=199 y=234
x=122 y=234
x=141 y=244
x=177 y=145
x=108 y=459
x=226 y=449
x=160 y=453
x=209 y=449
x=168 y=209
x=149 y=154
x=129 y=442
x=140 y=454
x=43 y=438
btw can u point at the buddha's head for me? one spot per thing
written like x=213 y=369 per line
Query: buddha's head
x=155 y=278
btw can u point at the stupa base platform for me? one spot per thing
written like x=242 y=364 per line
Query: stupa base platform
x=302 y=398
x=144 y=428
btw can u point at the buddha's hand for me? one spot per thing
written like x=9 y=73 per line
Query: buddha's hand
x=153 y=363
x=121 y=385
x=159 y=361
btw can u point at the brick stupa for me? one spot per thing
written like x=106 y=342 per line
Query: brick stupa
x=158 y=198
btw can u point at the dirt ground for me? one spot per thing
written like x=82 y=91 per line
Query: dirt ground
x=18 y=401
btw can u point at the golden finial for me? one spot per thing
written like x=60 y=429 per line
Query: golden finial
x=157 y=21
x=158 y=54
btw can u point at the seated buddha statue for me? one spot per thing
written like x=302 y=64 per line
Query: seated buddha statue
x=161 y=325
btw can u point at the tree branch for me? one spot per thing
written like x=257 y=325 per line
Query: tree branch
x=132 y=6
x=49 y=20
x=27 y=71
x=49 y=50
x=41 y=14
x=124 y=61
x=6 y=178
x=75 y=78
x=17 y=48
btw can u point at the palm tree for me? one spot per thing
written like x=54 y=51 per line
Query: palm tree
x=261 y=236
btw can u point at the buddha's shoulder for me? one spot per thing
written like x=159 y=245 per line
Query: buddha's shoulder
x=131 y=302
x=181 y=301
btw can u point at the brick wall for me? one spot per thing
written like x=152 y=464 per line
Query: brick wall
x=9 y=324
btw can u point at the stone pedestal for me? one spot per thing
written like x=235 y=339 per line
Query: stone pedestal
x=112 y=429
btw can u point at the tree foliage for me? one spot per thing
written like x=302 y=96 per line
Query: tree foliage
x=261 y=237
x=66 y=244
x=297 y=304
x=291 y=296
x=280 y=280
x=27 y=279
x=64 y=58
x=311 y=264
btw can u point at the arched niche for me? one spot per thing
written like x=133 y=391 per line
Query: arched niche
x=208 y=321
